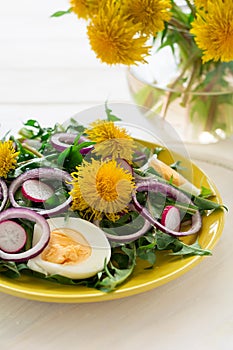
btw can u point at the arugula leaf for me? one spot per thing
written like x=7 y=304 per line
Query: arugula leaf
x=9 y=269
x=109 y=283
x=33 y=130
x=70 y=158
x=24 y=154
x=157 y=150
x=167 y=242
x=205 y=204
x=177 y=165
x=206 y=192
x=110 y=117
x=193 y=249
x=115 y=276
x=74 y=126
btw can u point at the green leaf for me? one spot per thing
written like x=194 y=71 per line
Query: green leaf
x=70 y=158
x=9 y=269
x=61 y=13
x=206 y=204
x=24 y=154
x=110 y=117
x=176 y=166
x=117 y=277
x=158 y=150
x=148 y=255
x=167 y=242
x=193 y=249
x=114 y=276
x=206 y=192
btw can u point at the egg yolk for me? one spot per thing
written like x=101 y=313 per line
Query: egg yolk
x=63 y=249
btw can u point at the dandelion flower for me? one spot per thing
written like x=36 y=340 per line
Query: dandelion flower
x=151 y=14
x=84 y=8
x=7 y=157
x=213 y=31
x=101 y=188
x=111 y=140
x=113 y=37
x=201 y=4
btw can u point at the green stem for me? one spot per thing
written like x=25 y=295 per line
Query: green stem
x=32 y=150
x=214 y=101
x=173 y=85
x=211 y=113
x=191 y=6
x=194 y=74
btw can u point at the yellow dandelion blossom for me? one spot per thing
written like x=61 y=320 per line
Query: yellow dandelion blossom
x=7 y=157
x=85 y=8
x=201 y=4
x=213 y=31
x=101 y=188
x=113 y=37
x=111 y=140
x=150 y=14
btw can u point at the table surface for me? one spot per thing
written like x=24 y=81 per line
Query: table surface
x=48 y=72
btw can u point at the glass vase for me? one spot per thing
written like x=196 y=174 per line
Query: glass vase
x=197 y=102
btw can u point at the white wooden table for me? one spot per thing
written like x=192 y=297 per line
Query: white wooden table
x=48 y=72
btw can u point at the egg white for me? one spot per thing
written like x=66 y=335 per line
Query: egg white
x=100 y=249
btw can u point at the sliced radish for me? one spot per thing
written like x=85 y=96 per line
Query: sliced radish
x=42 y=173
x=36 y=249
x=171 y=218
x=37 y=191
x=152 y=185
x=12 y=236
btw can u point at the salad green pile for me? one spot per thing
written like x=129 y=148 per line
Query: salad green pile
x=35 y=151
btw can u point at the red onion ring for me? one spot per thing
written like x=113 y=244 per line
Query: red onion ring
x=155 y=186
x=124 y=165
x=131 y=237
x=128 y=238
x=47 y=173
x=60 y=141
x=39 y=246
x=4 y=193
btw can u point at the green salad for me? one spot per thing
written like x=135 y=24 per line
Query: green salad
x=81 y=205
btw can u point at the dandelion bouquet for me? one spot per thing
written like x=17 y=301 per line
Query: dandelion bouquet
x=200 y=35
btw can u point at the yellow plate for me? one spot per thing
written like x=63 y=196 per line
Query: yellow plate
x=167 y=267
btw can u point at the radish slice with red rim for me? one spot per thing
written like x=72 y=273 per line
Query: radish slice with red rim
x=171 y=192
x=42 y=173
x=37 y=191
x=171 y=218
x=12 y=236
x=27 y=214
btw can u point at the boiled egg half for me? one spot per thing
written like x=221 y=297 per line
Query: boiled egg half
x=77 y=249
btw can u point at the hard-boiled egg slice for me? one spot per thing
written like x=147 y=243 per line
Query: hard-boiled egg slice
x=168 y=173
x=77 y=249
